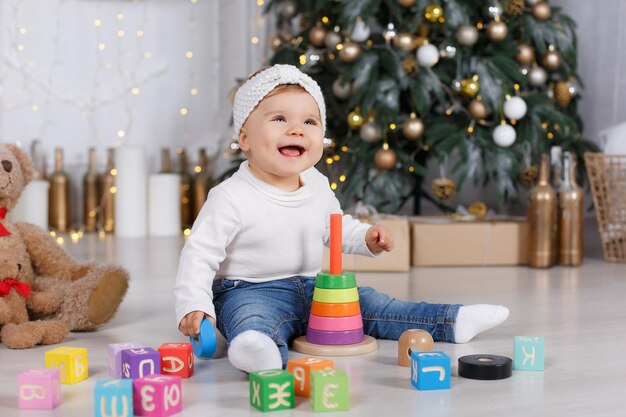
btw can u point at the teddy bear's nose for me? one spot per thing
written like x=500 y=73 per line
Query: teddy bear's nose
x=7 y=165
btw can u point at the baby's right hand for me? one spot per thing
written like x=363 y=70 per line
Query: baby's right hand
x=190 y=324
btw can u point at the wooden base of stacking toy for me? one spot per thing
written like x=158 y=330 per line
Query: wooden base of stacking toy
x=368 y=345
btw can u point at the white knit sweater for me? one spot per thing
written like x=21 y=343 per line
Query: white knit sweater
x=252 y=231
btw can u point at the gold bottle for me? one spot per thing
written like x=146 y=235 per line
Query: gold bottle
x=542 y=219
x=91 y=194
x=186 y=209
x=571 y=212
x=107 y=195
x=556 y=177
x=166 y=163
x=59 y=195
x=202 y=182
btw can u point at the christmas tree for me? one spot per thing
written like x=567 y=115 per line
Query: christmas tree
x=484 y=87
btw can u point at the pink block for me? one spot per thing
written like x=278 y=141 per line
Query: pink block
x=39 y=389
x=335 y=324
x=157 y=395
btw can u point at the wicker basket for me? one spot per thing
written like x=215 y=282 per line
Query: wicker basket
x=607 y=179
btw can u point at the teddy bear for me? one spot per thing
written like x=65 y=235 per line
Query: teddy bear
x=81 y=297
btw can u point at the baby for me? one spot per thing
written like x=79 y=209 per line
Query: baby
x=250 y=263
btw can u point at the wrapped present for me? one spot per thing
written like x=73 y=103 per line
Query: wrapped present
x=463 y=241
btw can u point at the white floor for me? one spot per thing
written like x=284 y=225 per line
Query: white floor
x=579 y=311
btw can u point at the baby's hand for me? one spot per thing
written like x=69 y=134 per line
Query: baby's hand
x=378 y=239
x=190 y=324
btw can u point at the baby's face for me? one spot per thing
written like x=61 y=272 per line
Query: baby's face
x=283 y=137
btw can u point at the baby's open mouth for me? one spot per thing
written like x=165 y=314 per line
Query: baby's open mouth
x=291 y=150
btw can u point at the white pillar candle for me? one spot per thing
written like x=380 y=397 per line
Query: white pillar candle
x=131 y=183
x=32 y=206
x=164 y=205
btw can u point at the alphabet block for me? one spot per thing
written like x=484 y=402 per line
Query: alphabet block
x=329 y=390
x=115 y=357
x=114 y=398
x=301 y=370
x=272 y=390
x=529 y=353
x=140 y=362
x=177 y=359
x=430 y=370
x=157 y=395
x=71 y=361
x=39 y=389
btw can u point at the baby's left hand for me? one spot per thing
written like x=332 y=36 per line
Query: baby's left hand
x=378 y=239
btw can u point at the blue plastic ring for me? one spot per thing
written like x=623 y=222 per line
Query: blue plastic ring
x=204 y=346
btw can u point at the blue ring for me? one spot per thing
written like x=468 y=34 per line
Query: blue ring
x=204 y=346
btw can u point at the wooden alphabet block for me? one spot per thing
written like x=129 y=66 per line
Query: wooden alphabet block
x=71 y=361
x=529 y=353
x=430 y=370
x=114 y=351
x=39 y=389
x=329 y=390
x=113 y=398
x=301 y=370
x=157 y=395
x=177 y=359
x=140 y=362
x=272 y=390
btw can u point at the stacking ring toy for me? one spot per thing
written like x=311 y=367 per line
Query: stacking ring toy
x=204 y=346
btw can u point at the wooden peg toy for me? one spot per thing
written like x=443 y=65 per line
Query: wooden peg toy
x=413 y=340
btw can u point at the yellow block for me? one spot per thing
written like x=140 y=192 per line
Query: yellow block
x=336 y=296
x=71 y=361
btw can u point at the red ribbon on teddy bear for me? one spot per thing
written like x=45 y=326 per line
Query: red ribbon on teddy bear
x=3 y=230
x=19 y=286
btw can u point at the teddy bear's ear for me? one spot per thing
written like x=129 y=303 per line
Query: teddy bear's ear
x=24 y=160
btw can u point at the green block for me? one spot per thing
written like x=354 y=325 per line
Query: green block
x=272 y=390
x=335 y=282
x=329 y=390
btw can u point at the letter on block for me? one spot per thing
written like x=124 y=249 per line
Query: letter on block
x=39 y=389
x=157 y=395
x=177 y=359
x=140 y=362
x=329 y=390
x=430 y=370
x=71 y=361
x=272 y=390
x=529 y=353
x=115 y=357
x=114 y=398
x=301 y=370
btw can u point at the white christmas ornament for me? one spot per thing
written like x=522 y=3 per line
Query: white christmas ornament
x=427 y=55
x=504 y=135
x=515 y=108
x=361 y=31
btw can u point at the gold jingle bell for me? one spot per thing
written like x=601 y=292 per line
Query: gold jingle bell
x=443 y=188
x=478 y=209
x=528 y=176
x=470 y=86
x=355 y=120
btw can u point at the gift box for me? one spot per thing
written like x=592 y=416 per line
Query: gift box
x=444 y=241
x=398 y=260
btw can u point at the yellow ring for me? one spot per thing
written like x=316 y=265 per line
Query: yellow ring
x=334 y=296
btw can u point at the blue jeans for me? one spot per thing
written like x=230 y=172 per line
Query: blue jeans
x=280 y=309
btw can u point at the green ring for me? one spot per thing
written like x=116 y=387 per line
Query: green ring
x=348 y=295
x=335 y=282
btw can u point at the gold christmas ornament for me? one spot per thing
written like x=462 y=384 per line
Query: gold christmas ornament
x=443 y=188
x=433 y=13
x=551 y=60
x=528 y=176
x=317 y=36
x=410 y=66
x=332 y=39
x=477 y=109
x=413 y=127
x=467 y=35
x=407 y=3
x=275 y=42
x=514 y=7
x=355 y=120
x=370 y=132
x=542 y=11
x=385 y=158
x=470 y=86
x=525 y=54
x=562 y=94
x=405 y=41
x=341 y=89
x=497 y=30
x=288 y=9
x=350 y=52
x=478 y=209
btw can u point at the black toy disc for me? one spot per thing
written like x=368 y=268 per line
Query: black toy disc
x=485 y=367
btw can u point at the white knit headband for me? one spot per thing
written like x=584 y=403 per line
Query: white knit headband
x=257 y=87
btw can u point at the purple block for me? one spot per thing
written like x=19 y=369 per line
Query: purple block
x=321 y=337
x=140 y=362
x=115 y=357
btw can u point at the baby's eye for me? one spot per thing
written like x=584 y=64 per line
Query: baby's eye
x=311 y=122
x=279 y=119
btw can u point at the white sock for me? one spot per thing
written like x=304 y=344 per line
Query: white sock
x=254 y=351
x=477 y=318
